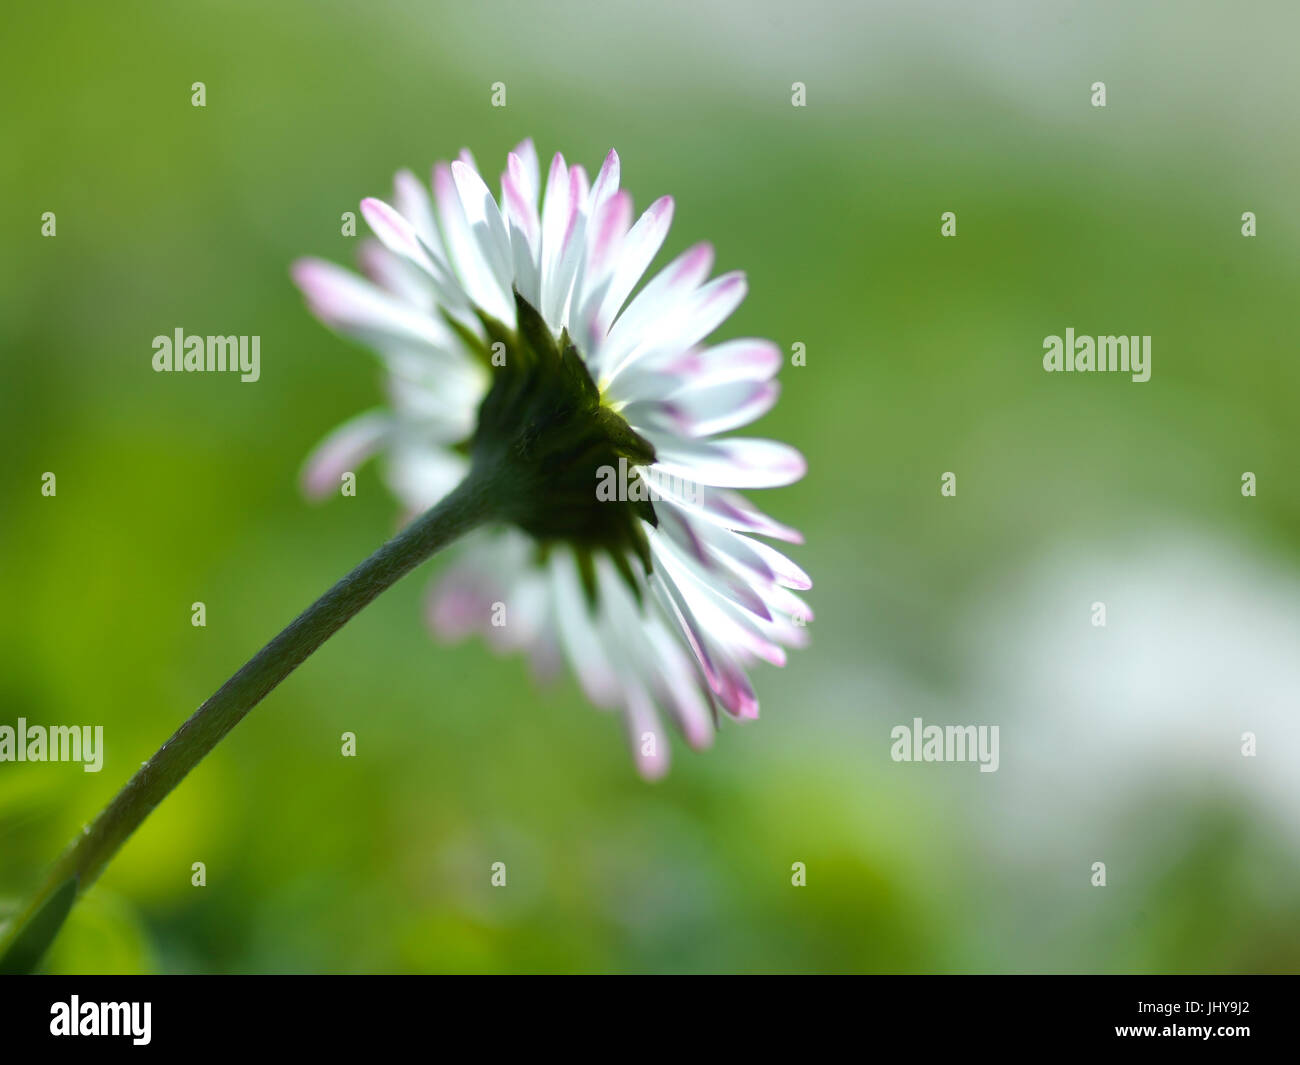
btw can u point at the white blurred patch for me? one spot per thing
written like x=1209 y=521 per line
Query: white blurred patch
x=1201 y=645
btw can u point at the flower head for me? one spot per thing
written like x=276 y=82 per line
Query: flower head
x=513 y=343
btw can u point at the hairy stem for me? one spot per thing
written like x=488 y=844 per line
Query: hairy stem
x=25 y=940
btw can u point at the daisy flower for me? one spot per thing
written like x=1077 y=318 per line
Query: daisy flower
x=516 y=351
x=562 y=426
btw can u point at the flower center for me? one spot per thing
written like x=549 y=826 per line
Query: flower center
x=551 y=442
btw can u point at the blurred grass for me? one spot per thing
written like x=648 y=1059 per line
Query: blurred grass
x=923 y=356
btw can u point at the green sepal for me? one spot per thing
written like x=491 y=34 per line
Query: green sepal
x=544 y=426
x=469 y=338
x=534 y=332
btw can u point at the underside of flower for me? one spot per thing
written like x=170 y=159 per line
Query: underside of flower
x=524 y=365
x=522 y=347
x=546 y=434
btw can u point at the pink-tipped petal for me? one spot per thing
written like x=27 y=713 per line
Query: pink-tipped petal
x=530 y=185
x=343 y=451
x=606 y=182
x=732 y=463
x=646 y=736
x=395 y=232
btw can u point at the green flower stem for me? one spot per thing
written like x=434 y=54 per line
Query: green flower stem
x=468 y=506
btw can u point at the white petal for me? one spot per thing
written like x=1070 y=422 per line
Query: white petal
x=677 y=608
x=662 y=373
x=705 y=411
x=726 y=623
x=720 y=506
x=677 y=323
x=527 y=605
x=707 y=309
x=475 y=274
x=652 y=655
x=675 y=687
x=397 y=275
x=787 y=573
x=525 y=234
x=730 y=548
x=484 y=218
x=531 y=186
x=411 y=198
x=746 y=359
x=641 y=245
x=579 y=638
x=566 y=247
x=726 y=677
x=440 y=404
x=645 y=734
x=732 y=463
x=679 y=559
x=785 y=604
x=606 y=231
x=765 y=563
x=345 y=449
x=459 y=604
x=606 y=183
x=580 y=187
x=397 y=234
x=357 y=307
x=661 y=296
x=400 y=237
x=558 y=216
x=420 y=475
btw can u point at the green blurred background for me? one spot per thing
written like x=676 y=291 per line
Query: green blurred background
x=923 y=356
